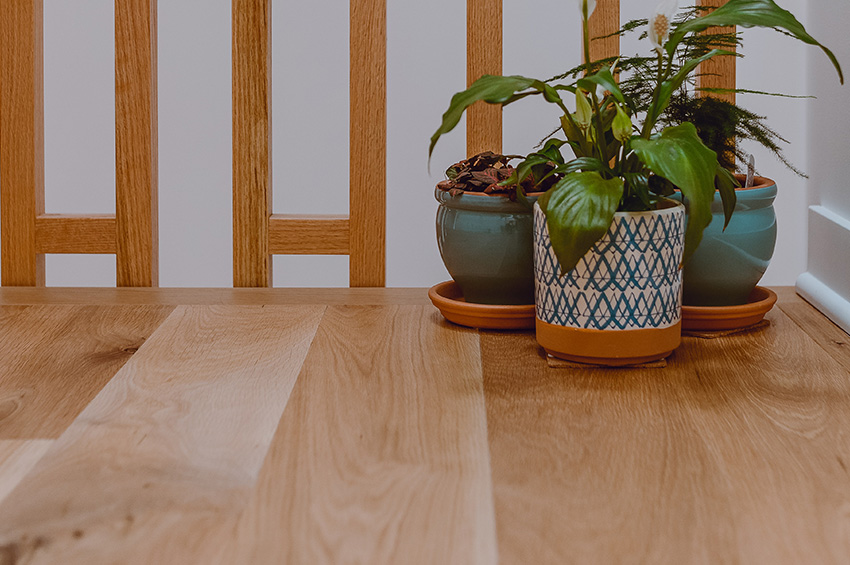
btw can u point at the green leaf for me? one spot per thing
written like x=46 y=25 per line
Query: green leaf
x=493 y=90
x=606 y=80
x=679 y=156
x=750 y=13
x=579 y=210
x=726 y=186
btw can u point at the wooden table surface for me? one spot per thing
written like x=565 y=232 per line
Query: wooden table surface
x=356 y=426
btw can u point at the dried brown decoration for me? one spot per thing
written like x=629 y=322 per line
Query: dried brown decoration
x=484 y=172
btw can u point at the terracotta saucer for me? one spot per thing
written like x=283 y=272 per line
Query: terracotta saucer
x=448 y=299
x=709 y=318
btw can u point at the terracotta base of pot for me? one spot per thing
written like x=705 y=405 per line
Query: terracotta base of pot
x=714 y=318
x=612 y=348
x=448 y=299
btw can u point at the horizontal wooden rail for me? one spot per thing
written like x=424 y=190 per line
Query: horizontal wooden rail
x=291 y=234
x=72 y=233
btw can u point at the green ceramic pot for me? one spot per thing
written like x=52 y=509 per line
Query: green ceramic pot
x=728 y=264
x=486 y=244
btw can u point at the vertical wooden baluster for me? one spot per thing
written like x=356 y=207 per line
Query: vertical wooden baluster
x=136 y=143
x=605 y=20
x=252 y=142
x=21 y=140
x=368 y=143
x=483 y=57
x=718 y=72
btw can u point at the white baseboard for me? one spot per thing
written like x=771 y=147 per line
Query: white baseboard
x=826 y=284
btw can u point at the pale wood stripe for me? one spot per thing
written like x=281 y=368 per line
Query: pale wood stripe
x=308 y=235
x=252 y=135
x=368 y=143
x=17 y=457
x=483 y=57
x=137 y=256
x=169 y=448
x=604 y=21
x=21 y=141
x=830 y=337
x=54 y=360
x=71 y=233
x=381 y=454
x=736 y=453
x=233 y=296
x=718 y=72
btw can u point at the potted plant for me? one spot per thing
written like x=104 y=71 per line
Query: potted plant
x=483 y=233
x=608 y=243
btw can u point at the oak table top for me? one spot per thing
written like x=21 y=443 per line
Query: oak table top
x=357 y=426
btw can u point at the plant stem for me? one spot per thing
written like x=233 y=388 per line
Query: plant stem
x=586 y=30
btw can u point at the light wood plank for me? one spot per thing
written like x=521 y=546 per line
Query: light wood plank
x=737 y=452
x=17 y=457
x=308 y=235
x=71 y=233
x=252 y=142
x=237 y=296
x=381 y=454
x=830 y=337
x=368 y=143
x=483 y=57
x=718 y=72
x=21 y=141
x=171 y=446
x=136 y=171
x=605 y=20
x=54 y=360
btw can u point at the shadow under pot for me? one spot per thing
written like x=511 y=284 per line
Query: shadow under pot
x=728 y=265
x=486 y=245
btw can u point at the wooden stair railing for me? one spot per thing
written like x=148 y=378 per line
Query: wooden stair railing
x=27 y=232
x=257 y=232
x=131 y=234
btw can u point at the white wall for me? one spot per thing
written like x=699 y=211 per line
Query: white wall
x=426 y=64
x=826 y=283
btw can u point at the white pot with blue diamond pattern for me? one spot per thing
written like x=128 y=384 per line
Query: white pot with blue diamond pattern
x=622 y=303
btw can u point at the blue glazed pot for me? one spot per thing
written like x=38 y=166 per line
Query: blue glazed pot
x=728 y=264
x=486 y=244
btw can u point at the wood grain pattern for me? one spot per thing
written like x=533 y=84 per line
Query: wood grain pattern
x=830 y=337
x=73 y=233
x=483 y=57
x=381 y=454
x=172 y=444
x=232 y=296
x=136 y=145
x=17 y=457
x=252 y=142
x=308 y=235
x=605 y=20
x=737 y=452
x=55 y=359
x=718 y=72
x=21 y=141
x=368 y=143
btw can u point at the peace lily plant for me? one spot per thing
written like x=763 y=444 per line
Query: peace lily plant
x=621 y=160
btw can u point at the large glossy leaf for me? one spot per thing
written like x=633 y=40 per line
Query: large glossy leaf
x=493 y=90
x=750 y=13
x=579 y=210
x=726 y=186
x=606 y=80
x=679 y=156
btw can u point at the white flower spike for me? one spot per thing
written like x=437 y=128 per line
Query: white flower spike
x=659 y=23
x=588 y=5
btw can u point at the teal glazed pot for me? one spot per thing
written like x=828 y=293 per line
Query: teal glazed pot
x=728 y=264
x=486 y=244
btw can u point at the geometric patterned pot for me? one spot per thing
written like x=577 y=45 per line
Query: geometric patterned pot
x=622 y=303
